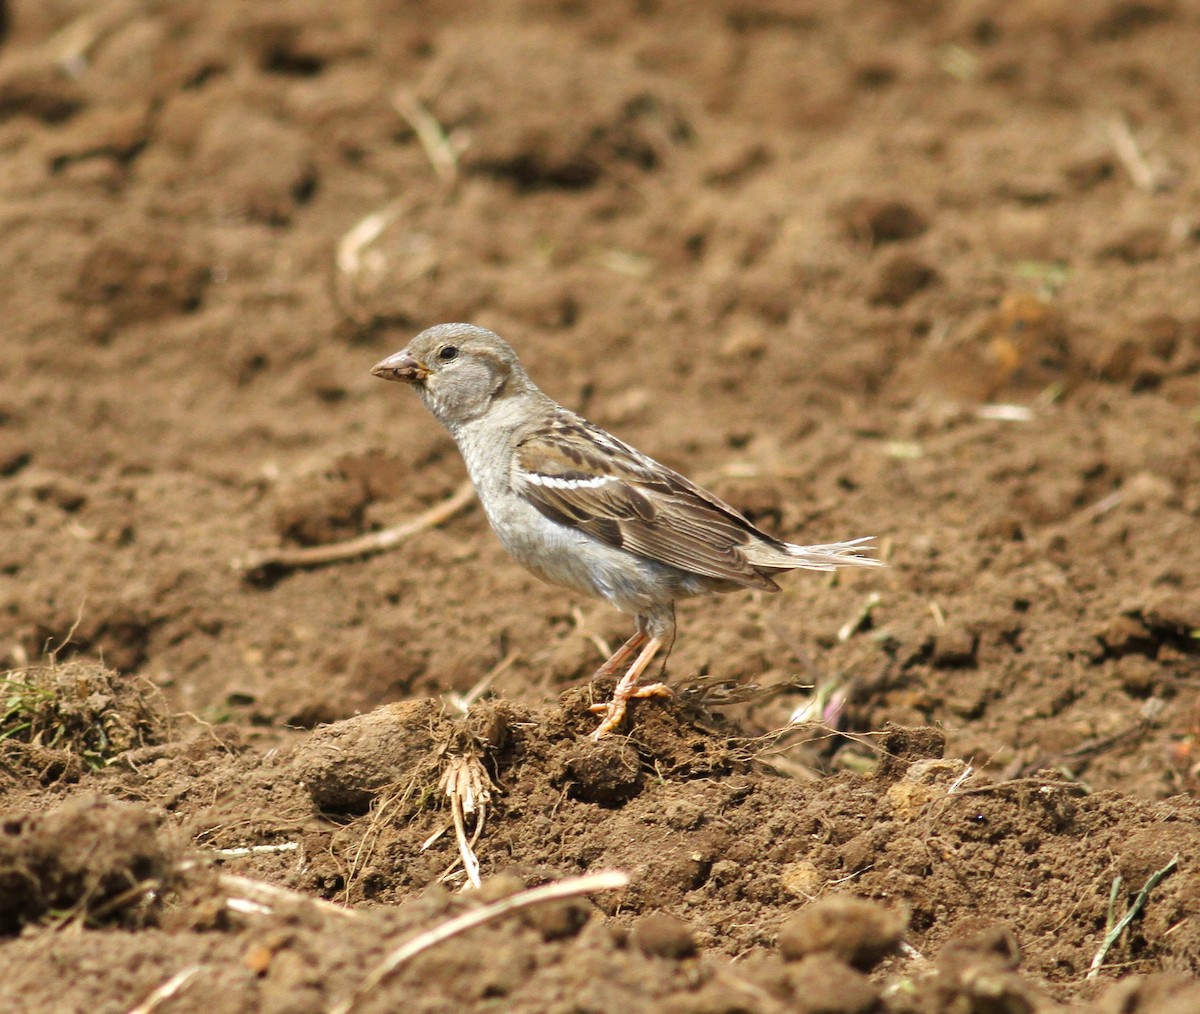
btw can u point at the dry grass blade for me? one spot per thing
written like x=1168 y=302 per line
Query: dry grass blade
x=610 y=880
x=1145 y=175
x=262 y=894
x=258 y=850
x=861 y=619
x=359 y=263
x=141 y=893
x=438 y=146
x=364 y=545
x=167 y=990
x=462 y=702
x=350 y=257
x=71 y=45
x=1139 y=903
x=582 y=629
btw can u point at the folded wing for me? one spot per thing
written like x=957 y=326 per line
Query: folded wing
x=578 y=475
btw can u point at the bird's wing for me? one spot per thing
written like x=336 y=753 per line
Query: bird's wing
x=579 y=475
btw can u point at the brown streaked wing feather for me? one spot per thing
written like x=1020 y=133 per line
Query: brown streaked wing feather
x=644 y=508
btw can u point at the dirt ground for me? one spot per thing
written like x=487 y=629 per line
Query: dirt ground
x=906 y=268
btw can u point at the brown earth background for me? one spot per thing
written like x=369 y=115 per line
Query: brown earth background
x=923 y=270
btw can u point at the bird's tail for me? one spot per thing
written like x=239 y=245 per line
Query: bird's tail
x=827 y=557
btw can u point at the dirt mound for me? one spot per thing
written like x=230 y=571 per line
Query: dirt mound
x=56 y=721
x=725 y=860
x=90 y=859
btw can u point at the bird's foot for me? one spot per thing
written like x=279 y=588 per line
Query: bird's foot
x=614 y=710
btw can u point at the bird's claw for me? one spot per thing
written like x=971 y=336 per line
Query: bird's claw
x=614 y=710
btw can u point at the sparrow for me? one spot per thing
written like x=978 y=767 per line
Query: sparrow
x=583 y=510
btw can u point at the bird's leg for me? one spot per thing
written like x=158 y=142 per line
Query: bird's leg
x=627 y=688
x=621 y=655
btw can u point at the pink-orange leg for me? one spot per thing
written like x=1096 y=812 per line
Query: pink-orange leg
x=627 y=688
x=620 y=656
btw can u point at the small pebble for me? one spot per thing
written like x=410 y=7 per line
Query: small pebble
x=661 y=935
x=855 y=930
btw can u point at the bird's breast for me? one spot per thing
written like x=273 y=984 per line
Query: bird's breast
x=561 y=554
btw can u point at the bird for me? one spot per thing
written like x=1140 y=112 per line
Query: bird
x=583 y=510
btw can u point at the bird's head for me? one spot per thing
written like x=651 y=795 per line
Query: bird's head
x=459 y=370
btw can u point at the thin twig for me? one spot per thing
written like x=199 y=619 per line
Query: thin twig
x=1085 y=751
x=53 y=652
x=257 y=850
x=1138 y=904
x=362 y=264
x=429 y=842
x=1027 y=783
x=364 y=545
x=610 y=880
x=167 y=990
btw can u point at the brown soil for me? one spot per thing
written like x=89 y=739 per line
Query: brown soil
x=921 y=270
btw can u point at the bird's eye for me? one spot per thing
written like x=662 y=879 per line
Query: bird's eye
x=447 y=353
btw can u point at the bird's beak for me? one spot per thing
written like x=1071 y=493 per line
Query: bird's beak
x=401 y=366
